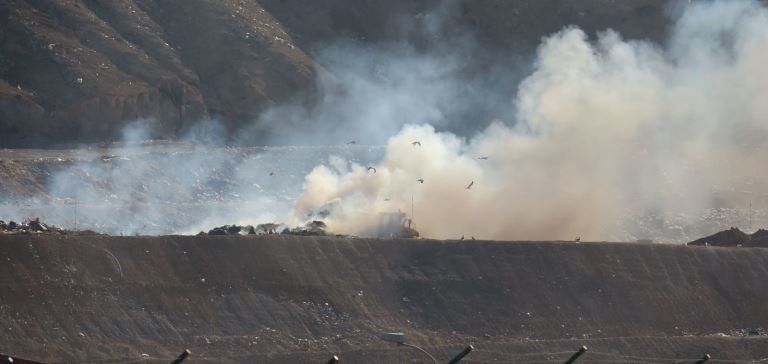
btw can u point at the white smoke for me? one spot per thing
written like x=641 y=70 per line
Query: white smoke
x=604 y=139
x=606 y=133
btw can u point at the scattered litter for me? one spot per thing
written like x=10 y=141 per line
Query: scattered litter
x=313 y=228
x=34 y=226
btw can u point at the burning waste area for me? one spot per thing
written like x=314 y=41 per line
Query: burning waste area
x=449 y=189
x=35 y=226
x=312 y=228
x=143 y=187
x=606 y=138
x=394 y=225
x=526 y=203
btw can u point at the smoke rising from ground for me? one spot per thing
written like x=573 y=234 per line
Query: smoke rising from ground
x=366 y=93
x=606 y=133
x=604 y=139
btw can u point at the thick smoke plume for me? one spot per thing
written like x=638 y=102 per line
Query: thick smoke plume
x=609 y=136
x=604 y=138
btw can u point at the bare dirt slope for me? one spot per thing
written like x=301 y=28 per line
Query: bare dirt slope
x=78 y=70
x=298 y=299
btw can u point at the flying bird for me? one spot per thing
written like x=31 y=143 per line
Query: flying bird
x=372 y=169
x=387 y=199
x=483 y=158
x=470 y=185
x=416 y=143
x=271 y=173
x=420 y=180
x=352 y=142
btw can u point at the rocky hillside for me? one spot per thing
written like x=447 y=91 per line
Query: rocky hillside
x=78 y=70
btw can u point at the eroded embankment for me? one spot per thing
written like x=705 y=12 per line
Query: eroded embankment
x=101 y=298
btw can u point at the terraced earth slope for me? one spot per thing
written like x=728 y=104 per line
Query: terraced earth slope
x=303 y=299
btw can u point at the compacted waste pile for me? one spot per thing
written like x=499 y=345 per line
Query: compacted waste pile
x=734 y=237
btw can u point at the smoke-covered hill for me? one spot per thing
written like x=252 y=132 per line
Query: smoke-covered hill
x=595 y=135
x=79 y=70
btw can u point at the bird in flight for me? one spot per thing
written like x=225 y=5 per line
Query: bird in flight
x=372 y=169
x=387 y=199
x=420 y=180
x=483 y=158
x=416 y=143
x=271 y=173
x=352 y=142
x=470 y=185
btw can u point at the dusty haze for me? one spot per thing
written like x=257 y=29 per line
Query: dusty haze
x=599 y=137
x=606 y=133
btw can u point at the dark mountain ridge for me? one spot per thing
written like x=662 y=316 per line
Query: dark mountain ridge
x=79 y=70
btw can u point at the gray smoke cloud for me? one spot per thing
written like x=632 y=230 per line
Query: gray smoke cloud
x=604 y=138
x=141 y=186
x=434 y=74
x=365 y=94
x=369 y=93
x=613 y=139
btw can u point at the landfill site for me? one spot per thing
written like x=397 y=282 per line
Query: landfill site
x=359 y=181
x=91 y=285
x=289 y=299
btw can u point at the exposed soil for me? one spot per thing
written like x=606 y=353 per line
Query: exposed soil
x=302 y=299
